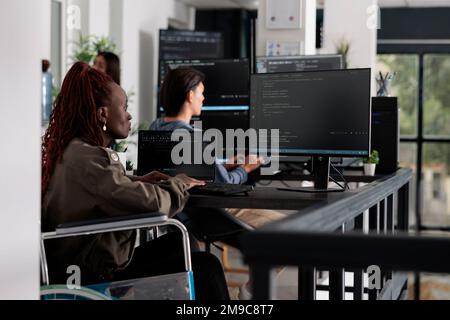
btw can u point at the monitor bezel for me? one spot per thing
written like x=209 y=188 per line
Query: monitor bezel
x=312 y=56
x=190 y=31
x=236 y=60
x=322 y=152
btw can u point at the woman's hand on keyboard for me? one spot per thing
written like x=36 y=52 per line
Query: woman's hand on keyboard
x=190 y=182
x=252 y=162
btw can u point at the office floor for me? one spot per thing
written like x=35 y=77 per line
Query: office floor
x=433 y=287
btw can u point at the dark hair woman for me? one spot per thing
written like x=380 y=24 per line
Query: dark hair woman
x=180 y=84
x=109 y=63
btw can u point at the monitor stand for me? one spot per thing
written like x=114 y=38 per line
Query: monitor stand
x=321 y=173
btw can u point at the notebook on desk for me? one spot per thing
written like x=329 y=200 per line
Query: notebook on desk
x=155 y=154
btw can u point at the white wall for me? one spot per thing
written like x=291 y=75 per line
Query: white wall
x=20 y=96
x=115 y=22
x=99 y=17
x=141 y=22
x=306 y=34
x=76 y=22
x=349 y=19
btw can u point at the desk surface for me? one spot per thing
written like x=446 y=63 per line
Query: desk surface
x=272 y=198
x=263 y=198
x=320 y=211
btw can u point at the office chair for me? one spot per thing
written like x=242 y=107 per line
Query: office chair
x=178 y=286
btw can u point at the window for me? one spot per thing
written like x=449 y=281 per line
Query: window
x=436 y=184
x=405 y=86
x=421 y=85
x=436 y=95
x=408 y=159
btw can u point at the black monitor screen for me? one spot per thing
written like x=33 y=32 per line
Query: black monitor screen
x=318 y=113
x=298 y=63
x=176 y=44
x=155 y=154
x=226 y=104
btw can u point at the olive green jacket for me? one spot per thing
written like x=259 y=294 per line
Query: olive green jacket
x=90 y=183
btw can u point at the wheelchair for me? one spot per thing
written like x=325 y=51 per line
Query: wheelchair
x=177 y=286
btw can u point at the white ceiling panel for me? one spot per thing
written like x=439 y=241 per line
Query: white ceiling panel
x=413 y=3
x=217 y=4
x=253 y=4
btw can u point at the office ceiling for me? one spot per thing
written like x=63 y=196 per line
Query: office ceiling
x=208 y=4
x=414 y=3
x=253 y=4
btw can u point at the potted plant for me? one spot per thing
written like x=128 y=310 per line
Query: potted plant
x=370 y=163
x=130 y=168
x=87 y=48
x=343 y=48
x=120 y=147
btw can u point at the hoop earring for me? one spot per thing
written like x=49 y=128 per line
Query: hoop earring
x=104 y=126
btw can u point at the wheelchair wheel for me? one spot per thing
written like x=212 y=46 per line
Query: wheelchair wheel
x=61 y=292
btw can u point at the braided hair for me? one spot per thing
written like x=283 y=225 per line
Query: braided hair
x=83 y=91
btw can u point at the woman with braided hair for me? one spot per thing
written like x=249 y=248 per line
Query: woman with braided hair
x=83 y=179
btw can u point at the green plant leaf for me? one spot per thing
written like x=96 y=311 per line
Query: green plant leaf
x=373 y=158
x=89 y=46
x=129 y=166
x=121 y=146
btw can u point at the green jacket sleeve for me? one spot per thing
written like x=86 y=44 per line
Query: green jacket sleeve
x=116 y=194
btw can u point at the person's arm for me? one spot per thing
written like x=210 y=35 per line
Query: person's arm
x=248 y=163
x=134 y=178
x=236 y=176
x=240 y=173
x=116 y=194
x=151 y=177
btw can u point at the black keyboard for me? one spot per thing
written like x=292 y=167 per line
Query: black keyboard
x=221 y=189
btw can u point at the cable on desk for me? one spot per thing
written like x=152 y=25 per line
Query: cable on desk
x=342 y=176
x=265 y=184
x=286 y=184
x=343 y=187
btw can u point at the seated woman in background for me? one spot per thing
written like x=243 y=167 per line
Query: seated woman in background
x=83 y=179
x=182 y=98
x=109 y=63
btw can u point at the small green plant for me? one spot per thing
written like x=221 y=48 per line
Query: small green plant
x=89 y=46
x=120 y=146
x=144 y=125
x=343 y=48
x=373 y=158
x=130 y=165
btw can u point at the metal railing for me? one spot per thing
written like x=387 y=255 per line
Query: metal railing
x=368 y=226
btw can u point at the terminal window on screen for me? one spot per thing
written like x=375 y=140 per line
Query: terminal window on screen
x=314 y=111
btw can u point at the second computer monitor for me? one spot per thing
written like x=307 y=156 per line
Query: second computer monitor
x=320 y=113
x=187 y=44
x=298 y=63
x=226 y=104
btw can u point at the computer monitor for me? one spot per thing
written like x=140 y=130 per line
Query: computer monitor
x=318 y=113
x=155 y=154
x=226 y=104
x=298 y=63
x=186 y=44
